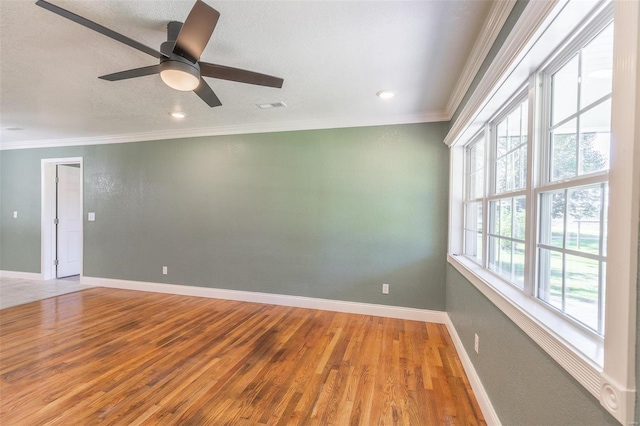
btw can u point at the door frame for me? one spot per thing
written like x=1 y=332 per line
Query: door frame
x=48 y=214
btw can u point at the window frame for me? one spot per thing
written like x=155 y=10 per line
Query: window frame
x=521 y=96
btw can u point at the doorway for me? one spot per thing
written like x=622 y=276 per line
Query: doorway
x=62 y=217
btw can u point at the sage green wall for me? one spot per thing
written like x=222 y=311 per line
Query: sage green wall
x=327 y=213
x=525 y=386
x=20 y=237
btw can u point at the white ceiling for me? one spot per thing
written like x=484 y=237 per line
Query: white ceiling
x=333 y=55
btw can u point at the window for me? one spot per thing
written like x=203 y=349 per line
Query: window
x=572 y=221
x=555 y=231
x=568 y=239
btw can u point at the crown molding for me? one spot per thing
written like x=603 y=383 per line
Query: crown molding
x=332 y=123
x=498 y=15
x=533 y=18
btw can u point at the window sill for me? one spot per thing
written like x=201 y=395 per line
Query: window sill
x=576 y=350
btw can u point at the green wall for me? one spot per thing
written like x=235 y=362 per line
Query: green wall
x=524 y=384
x=327 y=213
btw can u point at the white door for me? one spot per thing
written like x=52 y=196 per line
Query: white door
x=69 y=215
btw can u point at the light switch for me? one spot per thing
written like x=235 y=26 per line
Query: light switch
x=15 y=214
x=91 y=217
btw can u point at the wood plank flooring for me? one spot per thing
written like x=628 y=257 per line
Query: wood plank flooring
x=118 y=357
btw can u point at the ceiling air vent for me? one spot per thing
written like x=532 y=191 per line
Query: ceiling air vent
x=273 y=105
x=14 y=129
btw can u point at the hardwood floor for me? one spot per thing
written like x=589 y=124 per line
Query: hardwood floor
x=123 y=357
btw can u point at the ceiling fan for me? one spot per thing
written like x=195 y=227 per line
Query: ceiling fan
x=180 y=66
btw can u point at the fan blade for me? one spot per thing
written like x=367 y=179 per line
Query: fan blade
x=242 y=76
x=99 y=28
x=206 y=94
x=137 y=72
x=196 y=31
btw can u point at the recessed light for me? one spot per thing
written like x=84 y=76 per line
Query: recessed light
x=272 y=105
x=385 y=94
x=178 y=114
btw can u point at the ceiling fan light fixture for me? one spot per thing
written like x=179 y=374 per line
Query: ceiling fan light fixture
x=385 y=94
x=179 y=75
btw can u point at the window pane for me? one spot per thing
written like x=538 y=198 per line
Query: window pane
x=563 y=151
x=518 y=264
x=501 y=175
x=478 y=191
x=505 y=217
x=519 y=218
x=583 y=221
x=473 y=245
x=512 y=161
x=581 y=298
x=494 y=219
x=475 y=185
x=473 y=217
x=564 y=90
x=525 y=120
x=513 y=128
x=502 y=145
x=523 y=168
x=595 y=138
x=477 y=156
x=557 y=219
x=475 y=171
x=550 y=277
x=494 y=253
x=504 y=265
x=552 y=218
x=511 y=158
x=469 y=243
x=597 y=63
x=473 y=231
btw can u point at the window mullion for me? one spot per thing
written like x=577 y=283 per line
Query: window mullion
x=601 y=277
x=531 y=203
x=489 y=134
x=577 y=169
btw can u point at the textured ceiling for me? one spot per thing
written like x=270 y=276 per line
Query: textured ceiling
x=333 y=55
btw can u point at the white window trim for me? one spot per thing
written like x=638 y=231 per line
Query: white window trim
x=613 y=381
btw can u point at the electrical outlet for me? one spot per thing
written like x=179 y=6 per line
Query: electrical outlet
x=164 y=270
x=15 y=214
x=385 y=288
x=476 y=343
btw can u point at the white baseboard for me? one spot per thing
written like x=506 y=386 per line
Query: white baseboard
x=21 y=275
x=275 y=299
x=490 y=415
